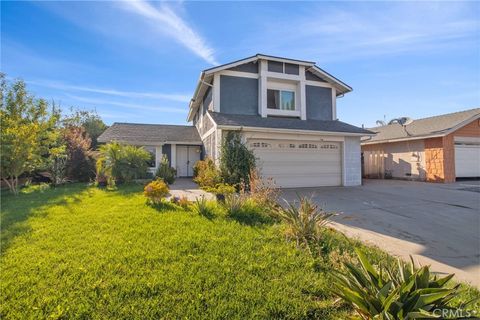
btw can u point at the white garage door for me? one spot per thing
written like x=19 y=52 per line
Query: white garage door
x=299 y=163
x=467 y=160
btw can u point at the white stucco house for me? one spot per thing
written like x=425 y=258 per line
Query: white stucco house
x=286 y=112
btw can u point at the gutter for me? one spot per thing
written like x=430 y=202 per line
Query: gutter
x=309 y=132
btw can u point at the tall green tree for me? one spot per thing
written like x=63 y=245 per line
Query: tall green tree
x=28 y=130
x=90 y=121
x=236 y=161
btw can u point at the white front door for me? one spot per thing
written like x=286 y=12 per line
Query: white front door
x=467 y=160
x=187 y=156
x=299 y=163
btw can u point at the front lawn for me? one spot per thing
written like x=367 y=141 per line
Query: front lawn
x=81 y=252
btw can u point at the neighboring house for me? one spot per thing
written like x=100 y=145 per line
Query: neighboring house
x=437 y=149
x=286 y=112
x=181 y=144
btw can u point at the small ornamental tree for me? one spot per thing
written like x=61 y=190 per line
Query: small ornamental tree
x=236 y=161
x=165 y=172
x=90 y=121
x=27 y=132
x=80 y=163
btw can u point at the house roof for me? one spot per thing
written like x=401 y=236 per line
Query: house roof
x=247 y=121
x=142 y=134
x=206 y=77
x=436 y=126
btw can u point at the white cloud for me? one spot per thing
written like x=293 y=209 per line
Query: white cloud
x=112 y=92
x=172 y=24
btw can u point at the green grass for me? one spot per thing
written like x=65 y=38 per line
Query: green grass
x=82 y=252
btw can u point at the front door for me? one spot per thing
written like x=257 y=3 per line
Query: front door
x=187 y=156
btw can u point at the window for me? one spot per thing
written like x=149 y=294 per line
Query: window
x=281 y=99
x=151 y=163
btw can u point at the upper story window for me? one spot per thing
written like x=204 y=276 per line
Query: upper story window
x=281 y=99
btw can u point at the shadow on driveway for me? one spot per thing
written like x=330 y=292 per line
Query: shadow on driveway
x=438 y=223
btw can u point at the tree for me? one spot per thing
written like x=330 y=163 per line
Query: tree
x=90 y=121
x=236 y=161
x=80 y=164
x=27 y=131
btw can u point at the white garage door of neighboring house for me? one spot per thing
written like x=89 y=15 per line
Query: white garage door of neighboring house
x=467 y=158
x=299 y=163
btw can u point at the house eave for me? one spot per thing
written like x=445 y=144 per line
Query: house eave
x=279 y=130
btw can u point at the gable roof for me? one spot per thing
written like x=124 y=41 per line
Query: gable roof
x=206 y=76
x=436 y=126
x=144 y=134
x=235 y=121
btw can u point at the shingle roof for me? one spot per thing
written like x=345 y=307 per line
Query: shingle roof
x=136 y=133
x=432 y=126
x=223 y=119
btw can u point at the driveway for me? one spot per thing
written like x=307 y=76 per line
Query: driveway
x=438 y=224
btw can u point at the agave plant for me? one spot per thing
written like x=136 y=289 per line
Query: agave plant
x=305 y=221
x=386 y=293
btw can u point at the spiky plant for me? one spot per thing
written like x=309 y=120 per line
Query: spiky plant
x=304 y=221
x=394 y=293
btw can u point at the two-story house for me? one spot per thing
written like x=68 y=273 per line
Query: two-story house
x=286 y=112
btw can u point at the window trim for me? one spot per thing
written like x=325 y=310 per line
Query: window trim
x=280 y=98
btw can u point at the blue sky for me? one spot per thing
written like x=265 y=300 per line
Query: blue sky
x=139 y=61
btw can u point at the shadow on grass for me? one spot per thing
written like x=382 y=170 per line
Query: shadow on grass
x=164 y=206
x=16 y=210
x=251 y=218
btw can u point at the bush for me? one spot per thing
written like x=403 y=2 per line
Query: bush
x=236 y=161
x=263 y=192
x=80 y=164
x=404 y=292
x=165 y=172
x=304 y=222
x=121 y=163
x=206 y=174
x=30 y=188
x=205 y=208
x=156 y=191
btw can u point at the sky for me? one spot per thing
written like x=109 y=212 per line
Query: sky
x=139 y=61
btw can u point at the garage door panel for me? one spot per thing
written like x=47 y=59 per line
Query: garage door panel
x=299 y=164
x=467 y=160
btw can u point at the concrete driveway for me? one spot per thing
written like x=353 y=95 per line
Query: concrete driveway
x=438 y=224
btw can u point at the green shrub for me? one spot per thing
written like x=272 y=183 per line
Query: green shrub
x=204 y=208
x=165 y=172
x=394 y=293
x=122 y=163
x=29 y=188
x=233 y=204
x=206 y=174
x=304 y=222
x=236 y=161
x=156 y=191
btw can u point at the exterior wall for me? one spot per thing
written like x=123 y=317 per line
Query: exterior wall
x=238 y=95
x=207 y=99
x=167 y=150
x=318 y=103
x=470 y=130
x=209 y=146
x=250 y=67
x=440 y=153
x=403 y=160
x=312 y=77
x=352 y=163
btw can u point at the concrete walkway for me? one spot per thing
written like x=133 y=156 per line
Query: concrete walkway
x=438 y=224
x=185 y=187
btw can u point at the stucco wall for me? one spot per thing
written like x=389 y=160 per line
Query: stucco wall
x=209 y=146
x=238 y=95
x=318 y=103
x=352 y=162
